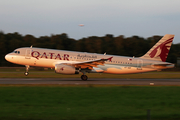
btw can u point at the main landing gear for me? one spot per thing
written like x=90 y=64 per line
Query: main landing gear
x=27 y=69
x=84 y=77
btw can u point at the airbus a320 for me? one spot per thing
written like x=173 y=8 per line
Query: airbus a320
x=69 y=62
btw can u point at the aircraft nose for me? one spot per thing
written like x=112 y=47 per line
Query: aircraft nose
x=7 y=57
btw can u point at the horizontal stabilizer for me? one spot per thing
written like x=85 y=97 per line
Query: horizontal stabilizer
x=162 y=66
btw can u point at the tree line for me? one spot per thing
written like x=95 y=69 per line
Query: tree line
x=130 y=46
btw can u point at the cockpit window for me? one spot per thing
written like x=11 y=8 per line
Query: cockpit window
x=17 y=52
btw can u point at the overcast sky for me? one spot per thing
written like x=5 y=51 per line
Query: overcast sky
x=144 y=18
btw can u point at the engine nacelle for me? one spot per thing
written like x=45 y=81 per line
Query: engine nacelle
x=65 y=69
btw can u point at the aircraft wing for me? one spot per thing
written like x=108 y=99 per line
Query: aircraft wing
x=89 y=64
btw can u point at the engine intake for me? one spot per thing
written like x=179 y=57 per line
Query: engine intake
x=66 y=69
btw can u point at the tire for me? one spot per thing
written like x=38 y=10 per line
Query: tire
x=84 y=77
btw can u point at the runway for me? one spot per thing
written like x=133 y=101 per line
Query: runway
x=90 y=81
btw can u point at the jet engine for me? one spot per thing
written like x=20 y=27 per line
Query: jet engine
x=66 y=69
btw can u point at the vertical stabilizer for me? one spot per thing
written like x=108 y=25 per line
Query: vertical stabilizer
x=161 y=49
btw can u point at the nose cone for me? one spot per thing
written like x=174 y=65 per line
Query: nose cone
x=7 y=57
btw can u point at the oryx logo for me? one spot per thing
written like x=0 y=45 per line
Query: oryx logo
x=162 y=50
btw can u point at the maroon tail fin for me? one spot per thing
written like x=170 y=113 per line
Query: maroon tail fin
x=161 y=49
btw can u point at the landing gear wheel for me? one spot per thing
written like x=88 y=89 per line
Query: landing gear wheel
x=84 y=77
x=26 y=73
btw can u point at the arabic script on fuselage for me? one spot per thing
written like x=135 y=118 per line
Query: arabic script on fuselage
x=87 y=56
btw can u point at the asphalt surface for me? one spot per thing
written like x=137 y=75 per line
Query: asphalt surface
x=90 y=81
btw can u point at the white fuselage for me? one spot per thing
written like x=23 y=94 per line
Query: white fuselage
x=48 y=58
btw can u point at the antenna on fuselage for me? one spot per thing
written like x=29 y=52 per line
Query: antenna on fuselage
x=105 y=53
x=31 y=46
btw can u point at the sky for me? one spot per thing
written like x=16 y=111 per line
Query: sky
x=144 y=18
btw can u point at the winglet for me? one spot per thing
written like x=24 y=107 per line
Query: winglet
x=110 y=59
x=161 y=49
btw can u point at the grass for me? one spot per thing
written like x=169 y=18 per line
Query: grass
x=89 y=103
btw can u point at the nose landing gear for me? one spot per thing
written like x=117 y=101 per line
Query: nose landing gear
x=27 y=69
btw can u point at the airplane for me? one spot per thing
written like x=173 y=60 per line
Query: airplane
x=71 y=62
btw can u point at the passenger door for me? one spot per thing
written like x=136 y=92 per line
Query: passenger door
x=28 y=54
